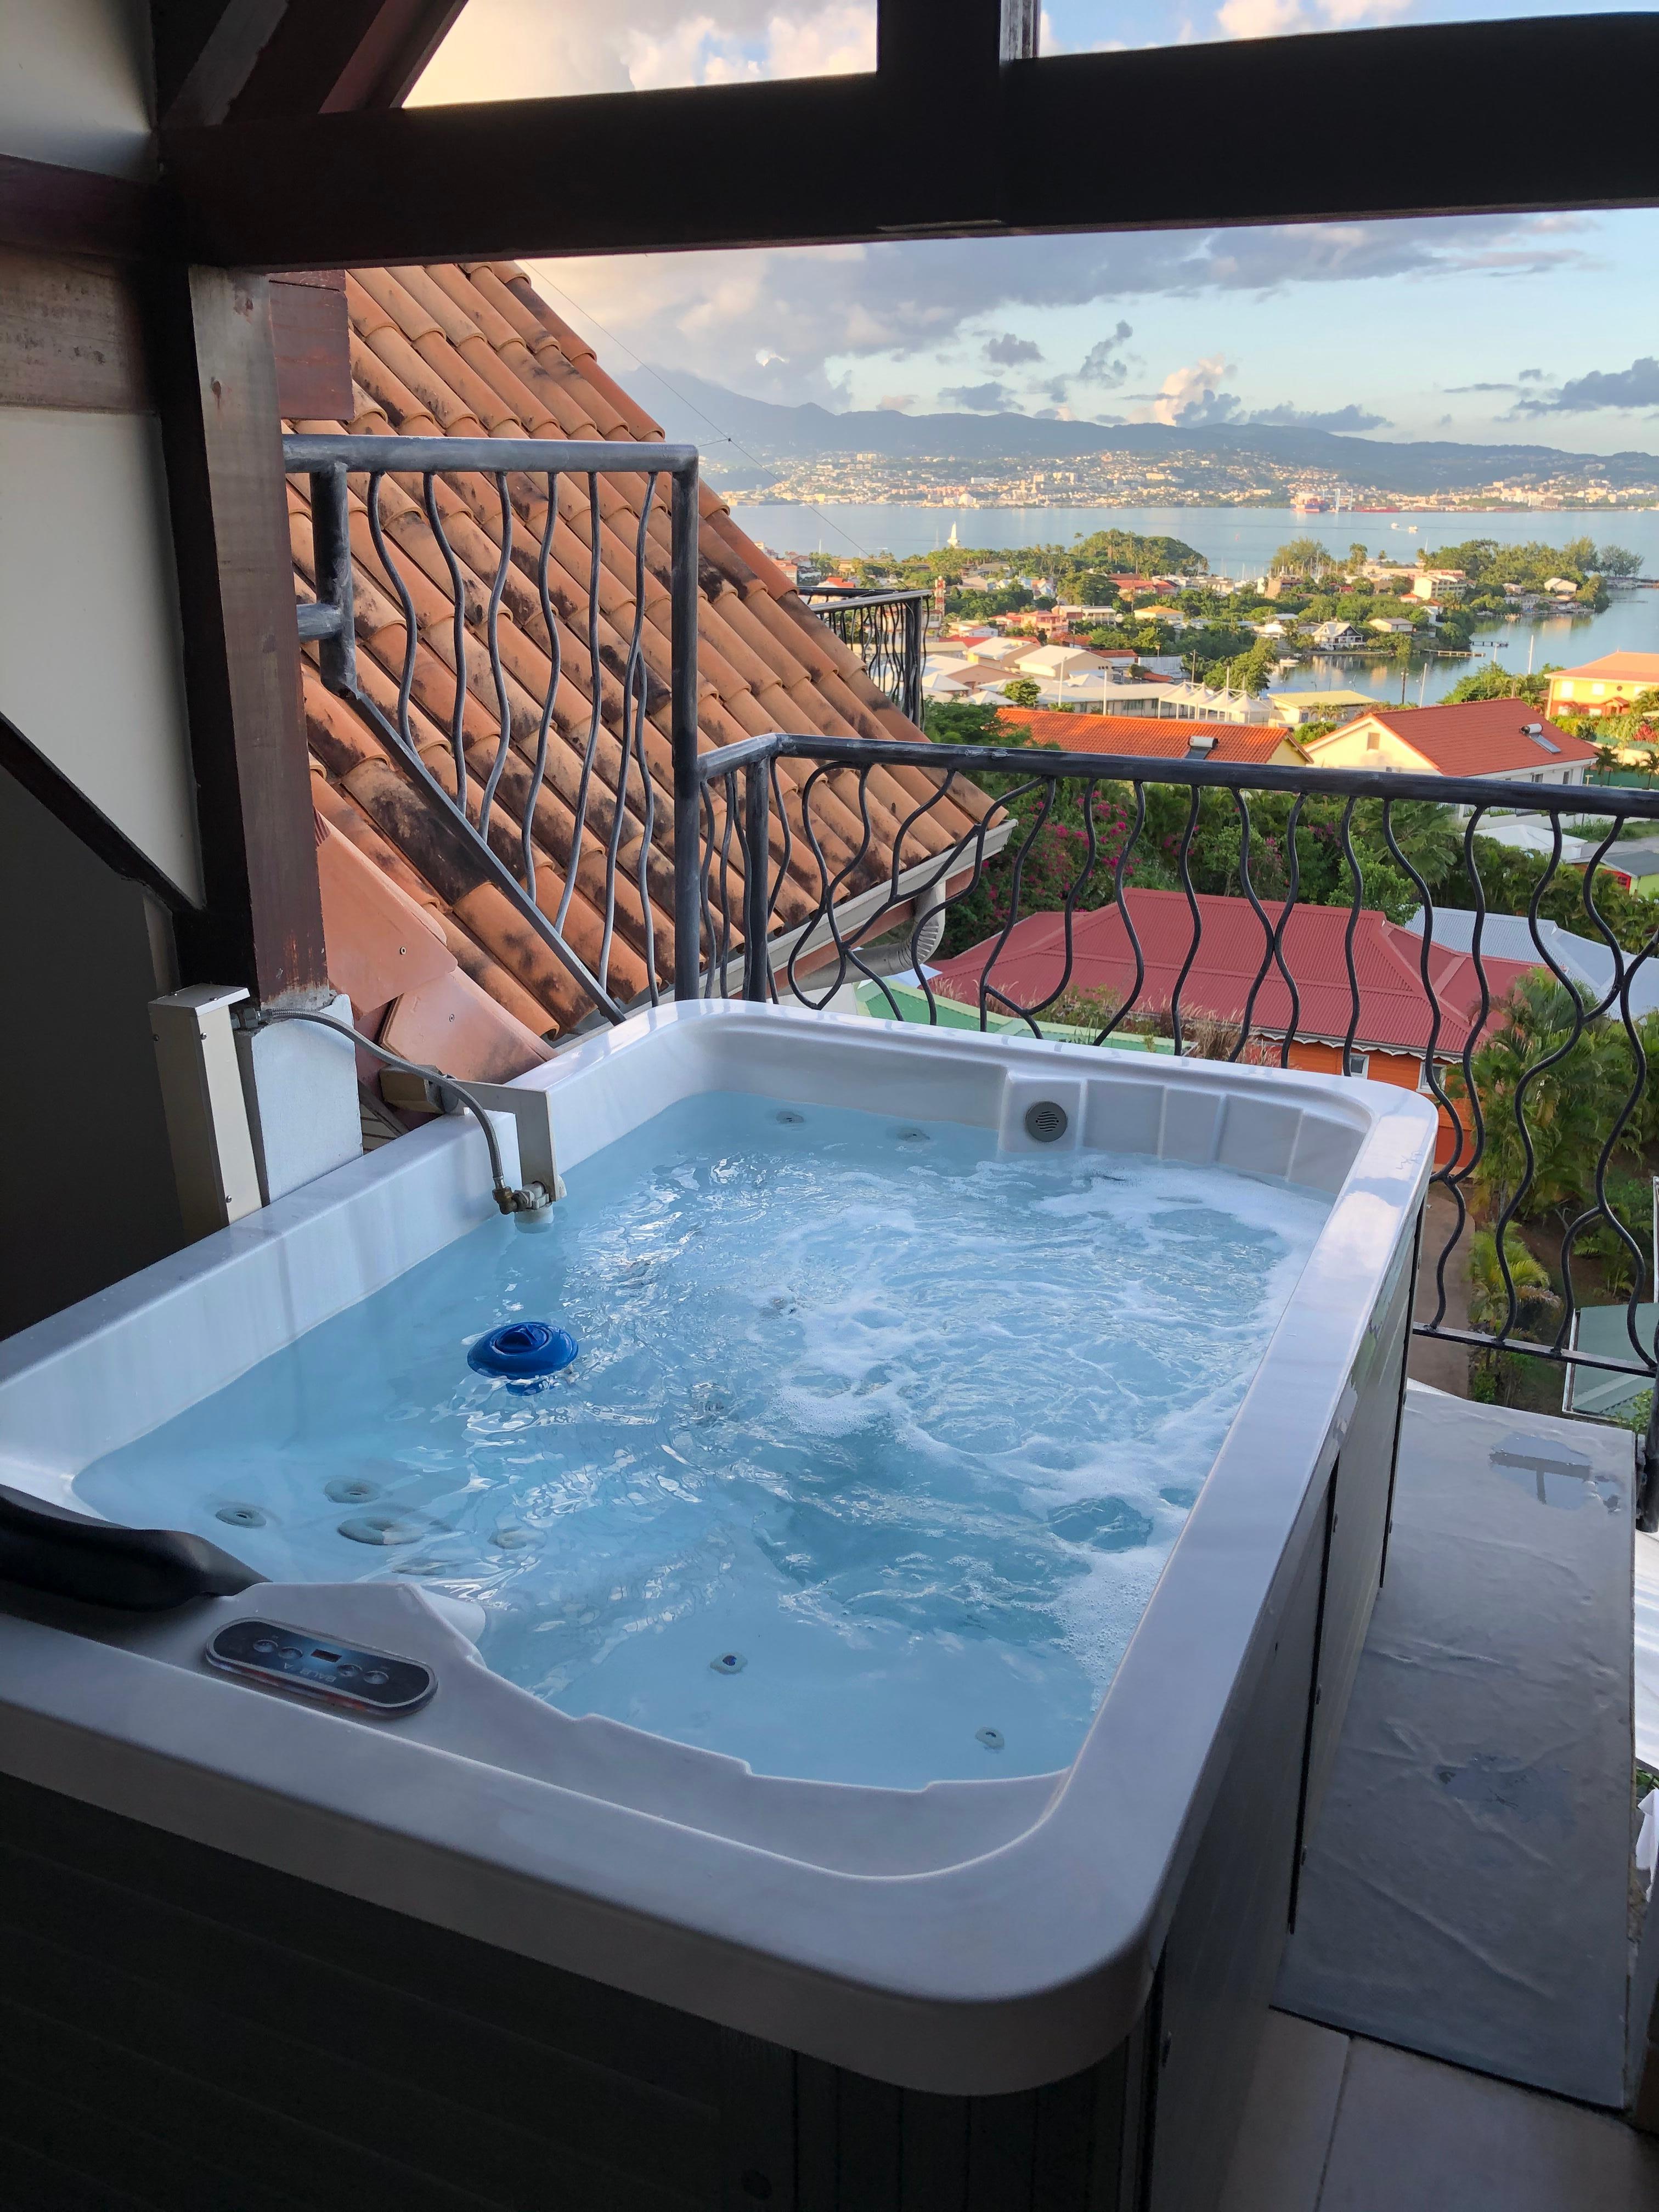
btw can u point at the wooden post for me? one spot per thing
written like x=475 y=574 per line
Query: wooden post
x=215 y=379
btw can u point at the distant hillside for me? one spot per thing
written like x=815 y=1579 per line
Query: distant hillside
x=775 y=433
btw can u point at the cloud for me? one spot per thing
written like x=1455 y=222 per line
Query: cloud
x=1482 y=387
x=1008 y=351
x=525 y=49
x=1335 y=418
x=1103 y=363
x=896 y=403
x=978 y=399
x=1533 y=376
x=823 y=307
x=1189 y=396
x=1050 y=42
x=1270 y=19
x=1635 y=387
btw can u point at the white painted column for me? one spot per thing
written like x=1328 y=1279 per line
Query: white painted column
x=213 y=1159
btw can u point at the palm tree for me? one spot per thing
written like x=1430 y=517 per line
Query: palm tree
x=1536 y=1302
x=1568 y=1098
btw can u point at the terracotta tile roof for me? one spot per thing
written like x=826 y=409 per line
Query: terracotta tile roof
x=1614 y=668
x=1392 y=1012
x=473 y=351
x=1481 y=736
x=1154 y=737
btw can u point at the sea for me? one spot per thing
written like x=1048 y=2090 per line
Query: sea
x=1240 y=541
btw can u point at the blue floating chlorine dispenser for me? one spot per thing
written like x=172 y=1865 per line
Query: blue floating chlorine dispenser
x=523 y=1351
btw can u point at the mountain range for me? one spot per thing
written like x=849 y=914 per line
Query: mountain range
x=761 y=431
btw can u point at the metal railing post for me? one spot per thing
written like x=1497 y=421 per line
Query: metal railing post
x=516 y=763
x=887 y=630
x=683 y=716
x=758 y=864
x=330 y=543
x=915 y=631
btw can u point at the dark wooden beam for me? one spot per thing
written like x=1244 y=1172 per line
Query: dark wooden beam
x=215 y=378
x=1177 y=125
x=331 y=56
x=220 y=61
x=46 y=209
x=1079 y=142
x=71 y=335
x=311 y=331
x=206 y=52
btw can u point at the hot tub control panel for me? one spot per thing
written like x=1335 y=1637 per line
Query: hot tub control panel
x=278 y=1657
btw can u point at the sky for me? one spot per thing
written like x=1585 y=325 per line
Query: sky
x=1536 y=328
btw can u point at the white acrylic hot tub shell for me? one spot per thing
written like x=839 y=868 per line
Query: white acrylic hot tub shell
x=973 y=1936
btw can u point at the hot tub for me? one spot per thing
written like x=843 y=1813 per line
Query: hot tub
x=941 y=1816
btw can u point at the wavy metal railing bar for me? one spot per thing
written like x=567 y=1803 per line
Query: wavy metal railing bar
x=1184 y=857
x=1042 y=786
x=329 y=621
x=1124 y=854
x=888 y=630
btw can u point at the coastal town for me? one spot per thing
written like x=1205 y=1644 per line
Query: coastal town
x=1193 y=478
x=1132 y=625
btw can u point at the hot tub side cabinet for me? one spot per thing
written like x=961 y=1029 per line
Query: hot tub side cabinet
x=185 y=2030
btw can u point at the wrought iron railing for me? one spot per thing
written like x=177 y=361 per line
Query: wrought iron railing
x=1066 y=833
x=888 y=630
x=577 y=737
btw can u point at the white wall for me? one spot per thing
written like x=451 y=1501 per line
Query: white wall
x=91 y=667
x=74 y=83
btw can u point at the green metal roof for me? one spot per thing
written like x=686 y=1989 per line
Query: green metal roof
x=1601 y=1329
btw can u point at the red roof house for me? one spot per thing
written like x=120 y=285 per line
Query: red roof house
x=1504 y=738
x=1155 y=736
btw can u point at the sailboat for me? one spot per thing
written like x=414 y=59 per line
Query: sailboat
x=953 y=540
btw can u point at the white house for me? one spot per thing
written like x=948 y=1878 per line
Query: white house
x=1050 y=663
x=1334 y=636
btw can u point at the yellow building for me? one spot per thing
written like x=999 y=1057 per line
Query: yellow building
x=1608 y=686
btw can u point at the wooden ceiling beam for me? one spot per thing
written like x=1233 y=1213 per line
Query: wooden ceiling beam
x=337 y=57
x=1081 y=142
x=47 y=209
x=206 y=52
x=235 y=61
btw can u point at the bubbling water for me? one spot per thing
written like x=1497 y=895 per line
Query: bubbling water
x=876 y=1446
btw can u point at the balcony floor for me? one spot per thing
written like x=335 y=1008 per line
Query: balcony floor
x=1339 y=2123
x=1466 y=1892
x=1463 y=1939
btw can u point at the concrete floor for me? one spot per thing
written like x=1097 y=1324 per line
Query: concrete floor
x=1337 y=2124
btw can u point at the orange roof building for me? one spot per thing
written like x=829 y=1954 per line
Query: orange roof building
x=1608 y=686
x=472 y=352
x=1504 y=738
x=1155 y=737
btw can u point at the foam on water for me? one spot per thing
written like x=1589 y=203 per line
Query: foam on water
x=904 y=1429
